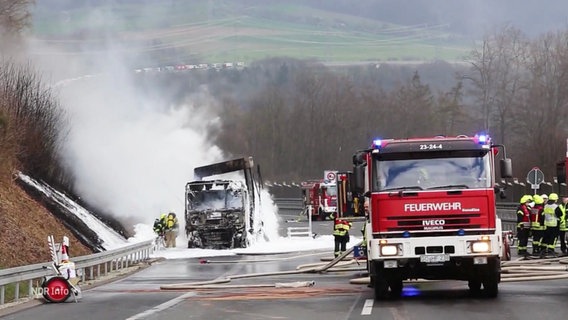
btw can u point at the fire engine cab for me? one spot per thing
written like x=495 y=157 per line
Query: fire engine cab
x=432 y=212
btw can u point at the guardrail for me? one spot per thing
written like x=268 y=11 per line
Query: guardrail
x=505 y=210
x=108 y=261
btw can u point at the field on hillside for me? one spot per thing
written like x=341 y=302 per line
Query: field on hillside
x=185 y=31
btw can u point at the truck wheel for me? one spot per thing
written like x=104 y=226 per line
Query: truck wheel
x=395 y=285
x=380 y=287
x=491 y=285
x=474 y=286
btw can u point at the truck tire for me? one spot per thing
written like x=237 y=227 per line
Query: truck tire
x=474 y=286
x=381 y=287
x=395 y=284
x=491 y=285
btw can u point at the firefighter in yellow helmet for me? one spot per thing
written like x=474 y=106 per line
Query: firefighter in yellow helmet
x=340 y=234
x=172 y=227
x=551 y=223
x=537 y=224
x=524 y=223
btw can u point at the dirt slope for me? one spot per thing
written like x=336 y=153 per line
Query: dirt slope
x=25 y=225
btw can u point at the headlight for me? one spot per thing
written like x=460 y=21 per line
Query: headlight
x=389 y=250
x=480 y=246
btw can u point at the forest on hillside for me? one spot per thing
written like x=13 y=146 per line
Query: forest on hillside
x=298 y=118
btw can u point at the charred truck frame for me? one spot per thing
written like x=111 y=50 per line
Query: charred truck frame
x=432 y=212
x=219 y=214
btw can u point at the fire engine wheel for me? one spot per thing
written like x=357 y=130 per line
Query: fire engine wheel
x=474 y=286
x=56 y=290
x=491 y=285
x=381 y=288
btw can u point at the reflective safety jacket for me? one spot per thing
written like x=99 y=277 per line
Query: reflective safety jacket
x=537 y=218
x=523 y=216
x=562 y=209
x=550 y=218
x=341 y=227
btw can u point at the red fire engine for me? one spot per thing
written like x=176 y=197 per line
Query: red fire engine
x=432 y=211
x=321 y=195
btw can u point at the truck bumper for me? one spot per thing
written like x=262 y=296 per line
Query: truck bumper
x=458 y=258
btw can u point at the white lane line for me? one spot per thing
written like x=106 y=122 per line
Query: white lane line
x=161 y=307
x=367 y=307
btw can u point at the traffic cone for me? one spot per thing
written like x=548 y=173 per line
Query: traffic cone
x=64 y=254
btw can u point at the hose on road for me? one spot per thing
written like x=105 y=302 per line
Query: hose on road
x=336 y=265
x=523 y=269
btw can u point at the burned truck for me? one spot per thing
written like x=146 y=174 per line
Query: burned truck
x=220 y=213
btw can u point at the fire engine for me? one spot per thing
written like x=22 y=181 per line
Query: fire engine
x=321 y=195
x=432 y=212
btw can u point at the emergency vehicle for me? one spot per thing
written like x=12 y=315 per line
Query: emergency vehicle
x=432 y=212
x=321 y=195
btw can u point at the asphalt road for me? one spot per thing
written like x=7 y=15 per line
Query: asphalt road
x=139 y=296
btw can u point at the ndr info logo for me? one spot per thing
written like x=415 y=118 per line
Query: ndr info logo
x=50 y=291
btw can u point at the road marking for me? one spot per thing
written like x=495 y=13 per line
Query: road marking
x=162 y=307
x=367 y=307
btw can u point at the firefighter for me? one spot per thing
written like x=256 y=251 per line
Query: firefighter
x=159 y=225
x=562 y=227
x=551 y=223
x=340 y=235
x=523 y=223
x=171 y=228
x=537 y=223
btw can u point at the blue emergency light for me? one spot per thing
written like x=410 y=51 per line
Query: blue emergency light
x=377 y=143
x=482 y=138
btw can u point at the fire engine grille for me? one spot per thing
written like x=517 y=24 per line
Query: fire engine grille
x=434 y=222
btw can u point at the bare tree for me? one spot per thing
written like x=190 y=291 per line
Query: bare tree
x=541 y=116
x=497 y=71
x=15 y=16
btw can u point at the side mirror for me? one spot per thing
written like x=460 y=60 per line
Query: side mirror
x=359 y=158
x=506 y=167
x=359 y=175
x=561 y=172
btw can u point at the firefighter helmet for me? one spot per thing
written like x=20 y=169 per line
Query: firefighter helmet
x=526 y=198
x=553 y=197
x=538 y=199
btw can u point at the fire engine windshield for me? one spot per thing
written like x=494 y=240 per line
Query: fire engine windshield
x=423 y=171
x=215 y=200
x=331 y=190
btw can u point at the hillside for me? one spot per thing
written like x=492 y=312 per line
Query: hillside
x=25 y=227
x=180 y=31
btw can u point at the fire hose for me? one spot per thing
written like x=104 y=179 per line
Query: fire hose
x=511 y=271
x=336 y=265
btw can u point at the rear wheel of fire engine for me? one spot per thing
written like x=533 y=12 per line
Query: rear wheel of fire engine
x=381 y=287
x=56 y=290
x=491 y=285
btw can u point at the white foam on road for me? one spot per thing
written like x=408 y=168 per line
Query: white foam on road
x=277 y=246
